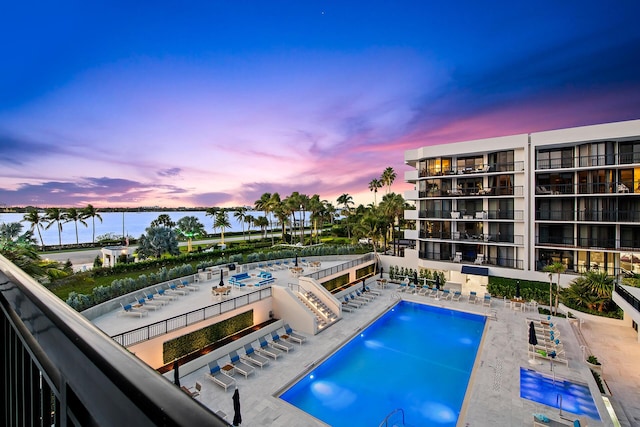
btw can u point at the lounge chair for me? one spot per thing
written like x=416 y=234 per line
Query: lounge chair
x=356 y=299
x=185 y=284
x=219 y=377
x=446 y=294
x=434 y=292
x=540 y=420
x=373 y=291
x=193 y=391
x=175 y=289
x=253 y=357
x=162 y=293
x=268 y=350
x=424 y=291
x=456 y=296
x=280 y=343
x=365 y=296
x=142 y=303
x=156 y=299
x=551 y=355
x=353 y=304
x=346 y=307
x=473 y=297
x=130 y=310
x=292 y=335
x=487 y=300
x=239 y=365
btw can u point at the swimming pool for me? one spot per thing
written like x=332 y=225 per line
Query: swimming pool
x=415 y=357
x=576 y=398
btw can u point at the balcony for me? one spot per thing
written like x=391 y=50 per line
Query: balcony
x=589 y=243
x=473 y=258
x=45 y=343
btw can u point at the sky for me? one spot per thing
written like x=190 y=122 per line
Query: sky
x=213 y=103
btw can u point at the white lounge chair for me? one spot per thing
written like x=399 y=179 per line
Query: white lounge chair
x=268 y=350
x=473 y=297
x=292 y=335
x=219 y=377
x=239 y=365
x=279 y=343
x=253 y=357
x=130 y=310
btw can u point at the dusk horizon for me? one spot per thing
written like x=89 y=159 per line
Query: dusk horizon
x=216 y=103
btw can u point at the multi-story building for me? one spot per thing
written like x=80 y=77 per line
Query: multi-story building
x=512 y=205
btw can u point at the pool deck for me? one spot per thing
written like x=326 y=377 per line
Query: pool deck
x=493 y=396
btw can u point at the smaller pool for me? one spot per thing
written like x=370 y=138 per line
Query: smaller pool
x=576 y=398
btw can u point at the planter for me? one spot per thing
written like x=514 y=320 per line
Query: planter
x=595 y=368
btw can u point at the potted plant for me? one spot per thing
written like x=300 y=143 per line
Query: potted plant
x=594 y=364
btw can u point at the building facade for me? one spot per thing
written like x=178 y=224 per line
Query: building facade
x=511 y=205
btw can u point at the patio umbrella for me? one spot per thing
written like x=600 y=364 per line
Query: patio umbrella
x=437 y=282
x=221 y=284
x=381 y=271
x=237 y=418
x=518 y=289
x=533 y=342
x=364 y=287
x=415 y=277
x=176 y=373
x=296 y=260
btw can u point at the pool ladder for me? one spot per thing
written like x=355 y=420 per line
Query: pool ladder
x=385 y=422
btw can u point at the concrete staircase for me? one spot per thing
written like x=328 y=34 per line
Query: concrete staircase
x=323 y=314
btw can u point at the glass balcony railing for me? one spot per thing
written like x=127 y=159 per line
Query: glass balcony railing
x=60 y=370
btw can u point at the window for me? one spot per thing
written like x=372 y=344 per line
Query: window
x=629 y=152
x=554 y=159
x=502 y=161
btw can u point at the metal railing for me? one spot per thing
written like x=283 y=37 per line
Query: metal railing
x=627 y=296
x=162 y=327
x=60 y=370
x=385 y=422
x=341 y=267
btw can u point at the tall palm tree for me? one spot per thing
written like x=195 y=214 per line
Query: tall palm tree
x=190 y=227
x=212 y=212
x=222 y=222
x=558 y=268
x=315 y=207
x=37 y=222
x=392 y=207
x=346 y=201
x=263 y=223
x=163 y=220
x=374 y=185
x=55 y=216
x=387 y=178
x=240 y=214
x=73 y=214
x=250 y=221
x=90 y=212
x=265 y=203
x=303 y=200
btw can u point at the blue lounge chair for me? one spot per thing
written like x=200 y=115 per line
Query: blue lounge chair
x=268 y=350
x=279 y=343
x=239 y=365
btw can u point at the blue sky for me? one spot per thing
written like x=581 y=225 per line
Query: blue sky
x=214 y=103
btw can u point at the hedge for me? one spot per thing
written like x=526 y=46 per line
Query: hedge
x=197 y=340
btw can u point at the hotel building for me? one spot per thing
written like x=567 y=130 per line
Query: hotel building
x=510 y=205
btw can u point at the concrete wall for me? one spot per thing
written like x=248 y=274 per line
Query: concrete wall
x=151 y=351
x=287 y=305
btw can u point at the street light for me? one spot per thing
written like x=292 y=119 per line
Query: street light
x=301 y=227
x=550 y=292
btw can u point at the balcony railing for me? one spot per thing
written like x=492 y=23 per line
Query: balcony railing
x=60 y=370
x=486 y=261
x=590 y=243
x=473 y=237
x=627 y=296
x=485 y=168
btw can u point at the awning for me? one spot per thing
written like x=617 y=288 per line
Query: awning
x=478 y=271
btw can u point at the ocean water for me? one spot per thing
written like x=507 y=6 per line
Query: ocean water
x=122 y=224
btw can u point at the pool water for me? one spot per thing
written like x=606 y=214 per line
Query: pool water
x=415 y=357
x=576 y=398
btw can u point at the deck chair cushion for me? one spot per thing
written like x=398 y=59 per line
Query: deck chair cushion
x=541 y=417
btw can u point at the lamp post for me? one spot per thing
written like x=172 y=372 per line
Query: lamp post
x=301 y=227
x=550 y=292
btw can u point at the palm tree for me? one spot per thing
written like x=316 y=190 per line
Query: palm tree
x=163 y=220
x=37 y=222
x=267 y=203
x=387 y=178
x=221 y=221
x=73 y=214
x=315 y=207
x=240 y=215
x=90 y=212
x=374 y=185
x=190 y=227
x=263 y=223
x=346 y=201
x=19 y=248
x=392 y=207
x=55 y=215
x=599 y=285
x=558 y=268
x=250 y=221
x=157 y=241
